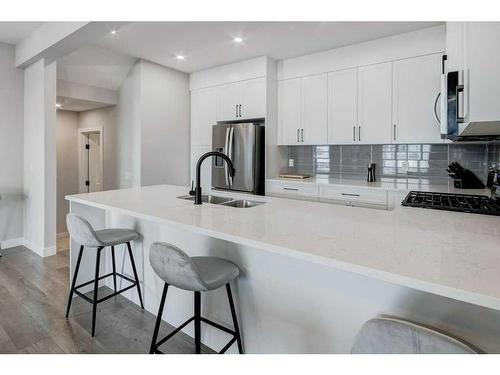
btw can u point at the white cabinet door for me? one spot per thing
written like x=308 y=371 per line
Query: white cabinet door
x=314 y=110
x=416 y=84
x=374 y=103
x=343 y=106
x=289 y=111
x=203 y=116
x=253 y=105
x=229 y=98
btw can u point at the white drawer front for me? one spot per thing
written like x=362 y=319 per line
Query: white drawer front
x=356 y=197
x=292 y=190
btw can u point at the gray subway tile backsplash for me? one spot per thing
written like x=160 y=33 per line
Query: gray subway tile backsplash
x=422 y=163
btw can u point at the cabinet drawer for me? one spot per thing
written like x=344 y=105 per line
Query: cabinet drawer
x=292 y=190
x=354 y=196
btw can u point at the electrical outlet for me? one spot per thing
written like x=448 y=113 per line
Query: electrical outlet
x=404 y=166
x=290 y=163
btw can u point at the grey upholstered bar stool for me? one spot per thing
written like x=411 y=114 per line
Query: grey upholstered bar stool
x=196 y=274
x=396 y=336
x=82 y=232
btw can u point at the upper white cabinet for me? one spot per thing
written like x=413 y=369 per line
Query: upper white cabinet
x=416 y=85
x=374 y=103
x=314 y=110
x=242 y=100
x=343 y=106
x=289 y=111
x=302 y=110
x=203 y=116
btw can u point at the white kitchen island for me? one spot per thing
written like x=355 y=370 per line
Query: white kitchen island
x=312 y=273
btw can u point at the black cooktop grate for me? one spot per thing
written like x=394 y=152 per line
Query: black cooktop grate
x=477 y=204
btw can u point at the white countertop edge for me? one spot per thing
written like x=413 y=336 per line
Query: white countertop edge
x=425 y=286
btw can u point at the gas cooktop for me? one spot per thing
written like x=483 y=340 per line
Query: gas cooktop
x=476 y=204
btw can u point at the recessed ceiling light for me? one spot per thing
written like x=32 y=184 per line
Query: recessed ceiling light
x=113 y=32
x=58 y=105
x=238 y=40
x=179 y=57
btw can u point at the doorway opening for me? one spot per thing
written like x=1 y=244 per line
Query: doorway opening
x=90 y=161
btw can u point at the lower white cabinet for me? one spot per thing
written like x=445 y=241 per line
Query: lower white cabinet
x=296 y=190
x=337 y=194
x=353 y=196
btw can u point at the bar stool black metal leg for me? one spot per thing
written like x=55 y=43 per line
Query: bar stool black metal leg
x=158 y=319
x=73 y=283
x=197 y=321
x=135 y=273
x=235 y=320
x=114 y=265
x=96 y=287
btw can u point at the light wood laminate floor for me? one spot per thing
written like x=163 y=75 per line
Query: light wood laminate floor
x=33 y=296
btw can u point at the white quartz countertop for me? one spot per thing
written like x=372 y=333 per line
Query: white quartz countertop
x=452 y=254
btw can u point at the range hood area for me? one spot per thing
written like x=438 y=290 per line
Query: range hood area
x=470 y=85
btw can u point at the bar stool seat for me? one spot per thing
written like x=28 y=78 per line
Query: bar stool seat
x=215 y=272
x=110 y=237
x=196 y=274
x=82 y=232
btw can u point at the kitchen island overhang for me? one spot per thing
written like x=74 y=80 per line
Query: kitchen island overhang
x=319 y=260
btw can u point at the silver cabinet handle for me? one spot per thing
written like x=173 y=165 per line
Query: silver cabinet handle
x=236 y=110
x=292 y=189
x=350 y=194
x=354 y=133
x=298 y=132
x=394 y=135
x=359 y=133
x=302 y=135
x=240 y=110
x=436 y=117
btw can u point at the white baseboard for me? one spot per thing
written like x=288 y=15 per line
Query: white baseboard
x=62 y=235
x=13 y=242
x=42 y=251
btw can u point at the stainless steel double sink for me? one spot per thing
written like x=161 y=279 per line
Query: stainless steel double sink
x=224 y=201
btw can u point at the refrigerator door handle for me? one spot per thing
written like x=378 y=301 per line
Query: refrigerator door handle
x=230 y=154
x=226 y=148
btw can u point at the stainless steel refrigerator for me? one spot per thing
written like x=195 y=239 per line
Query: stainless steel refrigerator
x=244 y=143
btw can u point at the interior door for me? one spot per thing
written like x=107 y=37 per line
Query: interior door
x=289 y=111
x=416 y=84
x=375 y=103
x=343 y=106
x=314 y=110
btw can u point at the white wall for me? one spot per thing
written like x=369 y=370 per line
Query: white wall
x=67 y=163
x=40 y=157
x=11 y=149
x=153 y=130
x=165 y=114
x=107 y=118
x=128 y=135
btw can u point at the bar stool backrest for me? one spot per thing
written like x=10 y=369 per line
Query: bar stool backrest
x=175 y=267
x=396 y=336
x=81 y=231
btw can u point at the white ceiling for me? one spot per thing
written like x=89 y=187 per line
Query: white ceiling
x=14 y=32
x=78 y=105
x=95 y=66
x=209 y=44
